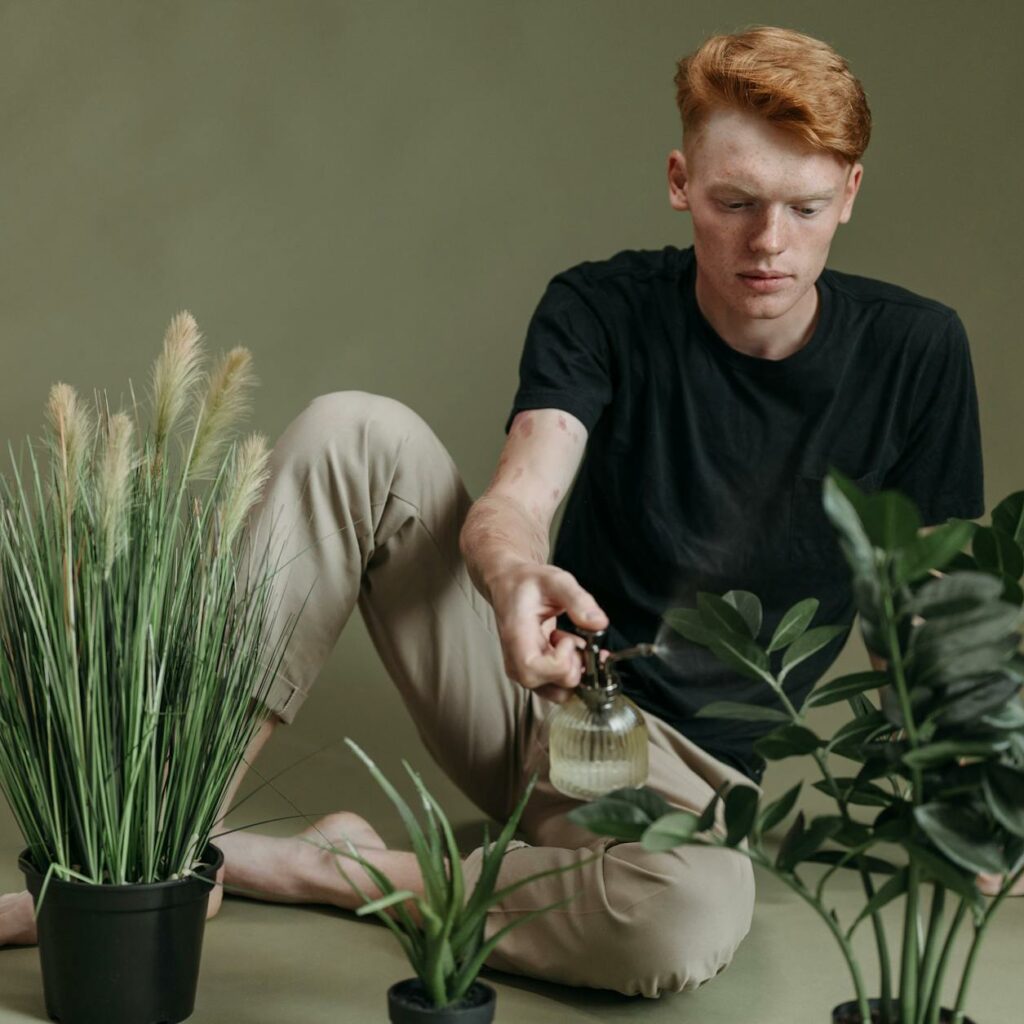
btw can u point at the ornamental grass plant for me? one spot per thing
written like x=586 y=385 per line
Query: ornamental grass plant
x=930 y=789
x=444 y=938
x=135 y=617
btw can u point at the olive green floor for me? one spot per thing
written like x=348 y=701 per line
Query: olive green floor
x=275 y=964
x=267 y=963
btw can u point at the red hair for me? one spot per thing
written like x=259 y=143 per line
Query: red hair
x=795 y=82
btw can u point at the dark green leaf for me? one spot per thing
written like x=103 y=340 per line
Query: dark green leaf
x=707 y=816
x=1010 y=717
x=891 y=520
x=896 y=886
x=933 y=754
x=1008 y=516
x=808 y=841
x=982 y=699
x=997 y=552
x=1004 y=794
x=1013 y=592
x=624 y=814
x=864 y=794
x=860 y=729
x=778 y=809
x=939 y=869
x=720 y=617
x=955 y=593
x=743 y=712
x=688 y=623
x=809 y=644
x=845 y=687
x=928 y=668
x=793 y=623
x=843 y=504
x=740 y=810
x=876 y=865
x=789 y=840
x=788 y=741
x=951 y=633
x=932 y=551
x=742 y=654
x=674 y=829
x=749 y=606
x=961 y=834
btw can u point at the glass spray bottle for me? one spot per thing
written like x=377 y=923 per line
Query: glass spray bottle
x=598 y=740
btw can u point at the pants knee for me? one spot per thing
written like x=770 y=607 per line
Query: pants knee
x=686 y=935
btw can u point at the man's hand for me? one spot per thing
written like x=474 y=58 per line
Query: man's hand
x=527 y=600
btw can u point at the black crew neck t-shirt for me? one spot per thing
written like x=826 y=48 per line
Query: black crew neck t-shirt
x=703 y=467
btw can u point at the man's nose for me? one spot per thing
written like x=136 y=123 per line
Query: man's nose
x=769 y=233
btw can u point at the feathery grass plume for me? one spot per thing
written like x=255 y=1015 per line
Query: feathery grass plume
x=73 y=430
x=114 y=488
x=250 y=470
x=175 y=373
x=227 y=400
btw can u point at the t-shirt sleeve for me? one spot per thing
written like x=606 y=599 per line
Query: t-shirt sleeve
x=566 y=360
x=940 y=467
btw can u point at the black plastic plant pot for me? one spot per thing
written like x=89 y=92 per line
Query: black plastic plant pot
x=121 y=954
x=848 y=1013
x=408 y=1003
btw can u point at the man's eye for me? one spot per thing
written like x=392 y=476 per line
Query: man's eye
x=735 y=205
x=807 y=211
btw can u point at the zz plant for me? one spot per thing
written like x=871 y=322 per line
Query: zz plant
x=938 y=776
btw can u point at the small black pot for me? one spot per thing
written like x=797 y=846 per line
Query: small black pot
x=408 y=1003
x=847 y=1013
x=121 y=954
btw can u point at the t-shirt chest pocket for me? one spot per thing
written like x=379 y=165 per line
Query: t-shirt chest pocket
x=813 y=540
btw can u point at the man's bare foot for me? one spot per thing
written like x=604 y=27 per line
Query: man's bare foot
x=298 y=868
x=17 y=920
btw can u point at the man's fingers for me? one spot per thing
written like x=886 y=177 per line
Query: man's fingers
x=578 y=604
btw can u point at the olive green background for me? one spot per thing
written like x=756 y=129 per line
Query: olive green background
x=374 y=195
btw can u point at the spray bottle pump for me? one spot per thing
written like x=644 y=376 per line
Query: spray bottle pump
x=598 y=740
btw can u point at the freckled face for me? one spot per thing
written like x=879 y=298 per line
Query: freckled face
x=765 y=208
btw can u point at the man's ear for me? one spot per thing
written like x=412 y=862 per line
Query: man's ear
x=853 y=180
x=678 y=181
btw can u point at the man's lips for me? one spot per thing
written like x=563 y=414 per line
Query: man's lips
x=764 y=281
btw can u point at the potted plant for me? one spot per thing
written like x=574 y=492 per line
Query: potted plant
x=938 y=792
x=442 y=931
x=134 y=631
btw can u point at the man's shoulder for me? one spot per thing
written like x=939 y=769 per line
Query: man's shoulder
x=888 y=300
x=628 y=267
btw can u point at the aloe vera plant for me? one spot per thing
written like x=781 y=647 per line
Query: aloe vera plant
x=134 y=622
x=939 y=776
x=444 y=941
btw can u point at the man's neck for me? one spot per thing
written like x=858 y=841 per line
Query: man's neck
x=771 y=339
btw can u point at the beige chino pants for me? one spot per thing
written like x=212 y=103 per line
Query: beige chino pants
x=371 y=505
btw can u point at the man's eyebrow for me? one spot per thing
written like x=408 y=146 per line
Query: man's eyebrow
x=740 y=190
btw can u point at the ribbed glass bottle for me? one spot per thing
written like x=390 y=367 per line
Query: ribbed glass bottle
x=597 y=743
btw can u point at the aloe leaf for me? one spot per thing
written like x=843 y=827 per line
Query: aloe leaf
x=720 y=616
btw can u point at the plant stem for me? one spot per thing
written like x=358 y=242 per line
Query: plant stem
x=844 y=944
x=979 y=935
x=909 y=971
x=931 y=950
x=935 y=997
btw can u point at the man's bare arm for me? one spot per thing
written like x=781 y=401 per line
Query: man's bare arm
x=505 y=543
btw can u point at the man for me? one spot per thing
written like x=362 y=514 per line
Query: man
x=700 y=395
